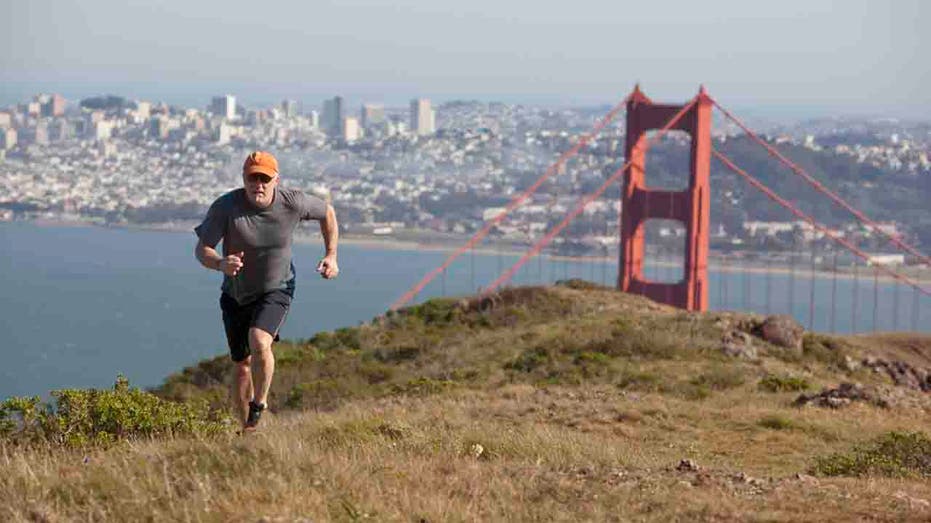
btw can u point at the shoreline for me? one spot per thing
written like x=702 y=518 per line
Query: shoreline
x=802 y=271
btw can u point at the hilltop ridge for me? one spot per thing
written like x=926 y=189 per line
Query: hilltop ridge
x=572 y=333
x=569 y=402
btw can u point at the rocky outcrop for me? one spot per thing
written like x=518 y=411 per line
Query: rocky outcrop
x=782 y=331
x=738 y=344
x=843 y=395
x=687 y=465
x=902 y=373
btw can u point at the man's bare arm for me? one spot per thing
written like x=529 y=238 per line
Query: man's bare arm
x=328 y=268
x=211 y=259
x=330 y=230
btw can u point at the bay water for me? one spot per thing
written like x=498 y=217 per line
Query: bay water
x=79 y=305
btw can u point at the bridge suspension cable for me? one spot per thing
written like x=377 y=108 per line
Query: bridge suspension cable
x=819 y=186
x=517 y=201
x=811 y=221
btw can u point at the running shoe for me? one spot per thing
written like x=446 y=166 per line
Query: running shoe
x=255 y=413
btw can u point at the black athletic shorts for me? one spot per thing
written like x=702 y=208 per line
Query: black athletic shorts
x=267 y=313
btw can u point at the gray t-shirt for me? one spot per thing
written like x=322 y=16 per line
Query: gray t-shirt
x=264 y=235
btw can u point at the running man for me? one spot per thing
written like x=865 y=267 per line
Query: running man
x=256 y=224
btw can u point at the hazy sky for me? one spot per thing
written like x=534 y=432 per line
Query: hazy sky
x=853 y=56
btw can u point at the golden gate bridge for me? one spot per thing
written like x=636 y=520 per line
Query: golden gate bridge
x=690 y=207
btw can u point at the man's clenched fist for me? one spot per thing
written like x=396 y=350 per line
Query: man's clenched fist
x=231 y=264
x=328 y=267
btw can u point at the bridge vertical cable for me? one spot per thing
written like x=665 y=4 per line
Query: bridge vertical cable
x=855 y=298
x=833 y=293
x=875 y=298
x=811 y=297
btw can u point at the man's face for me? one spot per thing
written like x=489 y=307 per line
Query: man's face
x=260 y=188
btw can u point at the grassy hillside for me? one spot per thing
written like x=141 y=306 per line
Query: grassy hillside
x=560 y=403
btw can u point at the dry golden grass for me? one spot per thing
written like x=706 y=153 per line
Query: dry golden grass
x=548 y=453
x=553 y=405
x=910 y=347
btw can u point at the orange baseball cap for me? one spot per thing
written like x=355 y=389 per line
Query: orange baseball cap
x=260 y=162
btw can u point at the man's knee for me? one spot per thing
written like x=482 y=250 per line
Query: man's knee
x=260 y=343
x=244 y=367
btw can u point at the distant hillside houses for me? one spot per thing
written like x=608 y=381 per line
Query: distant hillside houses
x=768 y=228
x=808 y=232
x=886 y=259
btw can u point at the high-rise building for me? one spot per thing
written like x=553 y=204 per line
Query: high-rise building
x=224 y=106
x=314 y=118
x=350 y=129
x=7 y=138
x=333 y=116
x=34 y=134
x=327 y=113
x=26 y=136
x=223 y=134
x=6 y=120
x=371 y=114
x=102 y=130
x=289 y=108
x=61 y=130
x=31 y=109
x=197 y=123
x=143 y=110
x=254 y=117
x=52 y=105
x=422 y=117
x=158 y=127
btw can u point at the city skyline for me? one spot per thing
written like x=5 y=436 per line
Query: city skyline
x=796 y=57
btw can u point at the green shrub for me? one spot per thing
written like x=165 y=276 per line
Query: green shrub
x=100 y=417
x=289 y=354
x=638 y=380
x=397 y=354
x=346 y=338
x=375 y=372
x=776 y=422
x=893 y=454
x=580 y=284
x=529 y=360
x=467 y=374
x=585 y=358
x=435 y=311
x=588 y=365
x=649 y=339
x=422 y=387
x=190 y=383
x=783 y=383
x=689 y=391
x=824 y=349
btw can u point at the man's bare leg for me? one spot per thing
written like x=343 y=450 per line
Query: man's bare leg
x=264 y=363
x=242 y=388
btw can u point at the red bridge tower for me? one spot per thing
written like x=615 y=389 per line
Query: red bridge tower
x=691 y=206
